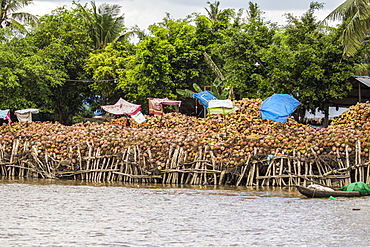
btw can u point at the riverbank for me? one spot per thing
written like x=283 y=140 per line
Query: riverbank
x=238 y=149
x=132 y=166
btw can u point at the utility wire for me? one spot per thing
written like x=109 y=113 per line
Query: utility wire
x=115 y=80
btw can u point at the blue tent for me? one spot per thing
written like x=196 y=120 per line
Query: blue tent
x=278 y=107
x=204 y=97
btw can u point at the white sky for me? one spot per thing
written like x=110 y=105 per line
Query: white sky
x=146 y=12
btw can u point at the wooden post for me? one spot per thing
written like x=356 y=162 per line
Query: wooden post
x=244 y=169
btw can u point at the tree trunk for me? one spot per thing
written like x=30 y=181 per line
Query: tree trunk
x=325 y=122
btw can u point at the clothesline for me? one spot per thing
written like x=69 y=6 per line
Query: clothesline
x=115 y=80
x=24 y=115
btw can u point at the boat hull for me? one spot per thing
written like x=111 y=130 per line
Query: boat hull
x=314 y=193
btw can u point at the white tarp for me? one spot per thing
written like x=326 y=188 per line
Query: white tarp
x=138 y=117
x=226 y=103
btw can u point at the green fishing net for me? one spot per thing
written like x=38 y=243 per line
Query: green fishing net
x=363 y=188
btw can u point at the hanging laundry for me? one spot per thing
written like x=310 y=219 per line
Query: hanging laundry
x=227 y=103
x=138 y=117
x=156 y=105
x=5 y=114
x=7 y=117
x=221 y=106
x=204 y=97
x=123 y=107
x=25 y=115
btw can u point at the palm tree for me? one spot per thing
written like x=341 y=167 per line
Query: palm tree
x=220 y=87
x=105 y=23
x=213 y=10
x=355 y=14
x=10 y=17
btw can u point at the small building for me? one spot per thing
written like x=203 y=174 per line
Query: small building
x=360 y=92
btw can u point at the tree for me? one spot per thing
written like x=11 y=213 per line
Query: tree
x=105 y=23
x=167 y=59
x=239 y=50
x=10 y=17
x=105 y=67
x=64 y=41
x=221 y=88
x=307 y=64
x=25 y=76
x=355 y=15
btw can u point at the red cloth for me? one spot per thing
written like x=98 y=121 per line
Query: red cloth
x=122 y=107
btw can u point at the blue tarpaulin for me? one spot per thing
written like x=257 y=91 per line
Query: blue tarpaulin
x=204 y=97
x=98 y=112
x=278 y=107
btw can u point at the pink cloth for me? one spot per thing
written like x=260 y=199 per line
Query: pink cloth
x=122 y=107
x=8 y=118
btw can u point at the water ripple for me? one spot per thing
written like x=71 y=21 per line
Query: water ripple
x=72 y=214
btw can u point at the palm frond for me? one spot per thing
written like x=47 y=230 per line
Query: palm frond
x=354 y=35
x=356 y=15
x=185 y=92
x=213 y=66
x=197 y=88
x=362 y=69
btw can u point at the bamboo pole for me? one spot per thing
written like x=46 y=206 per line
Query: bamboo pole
x=368 y=170
x=13 y=155
x=222 y=177
x=126 y=165
x=243 y=170
x=306 y=172
x=281 y=167
x=195 y=179
x=213 y=168
x=2 y=151
x=175 y=164
x=183 y=177
x=348 y=165
x=96 y=165
x=251 y=175
x=268 y=172
x=298 y=169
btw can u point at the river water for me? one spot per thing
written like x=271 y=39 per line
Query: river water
x=71 y=213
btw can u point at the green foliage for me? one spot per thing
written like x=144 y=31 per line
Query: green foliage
x=164 y=61
x=307 y=64
x=25 y=76
x=63 y=40
x=104 y=23
x=11 y=17
x=186 y=93
x=355 y=15
x=105 y=67
x=72 y=61
x=239 y=52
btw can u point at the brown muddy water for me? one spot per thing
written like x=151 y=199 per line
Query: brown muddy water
x=71 y=213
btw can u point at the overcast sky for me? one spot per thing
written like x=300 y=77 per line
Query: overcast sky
x=146 y=12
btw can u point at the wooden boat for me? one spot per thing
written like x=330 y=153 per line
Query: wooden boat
x=315 y=193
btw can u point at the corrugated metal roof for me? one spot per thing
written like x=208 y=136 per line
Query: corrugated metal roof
x=363 y=79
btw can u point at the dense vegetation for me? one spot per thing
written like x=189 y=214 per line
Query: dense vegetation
x=71 y=61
